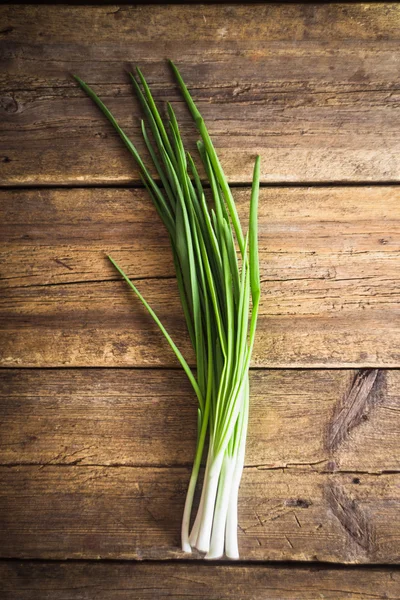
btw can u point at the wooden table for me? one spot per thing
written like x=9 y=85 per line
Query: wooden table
x=97 y=421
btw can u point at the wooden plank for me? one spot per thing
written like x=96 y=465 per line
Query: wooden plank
x=56 y=512
x=109 y=465
x=329 y=266
x=120 y=581
x=313 y=89
x=109 y=417
x=313 y=233
x=101 y=324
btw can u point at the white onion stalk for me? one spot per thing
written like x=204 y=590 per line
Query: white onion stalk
x=219 y=290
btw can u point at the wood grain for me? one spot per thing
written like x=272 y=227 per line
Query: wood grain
x=355 y=406
x=329 y=266
x=109 y=417
x=314 y=89
x=63 y=512
x=95 y=464
x=121 y=581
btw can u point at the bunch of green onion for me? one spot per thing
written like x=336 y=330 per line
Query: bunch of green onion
x=217 y=273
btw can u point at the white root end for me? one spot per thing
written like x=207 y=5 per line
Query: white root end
x=231 y=533
x=231 y=538
x=211 y=556
x=232 y=554
x=221 y=509
x=203 y=539
x=215 y=529
x=185 y=543
x=195 y=530
x=186 y=547
x=196 y=525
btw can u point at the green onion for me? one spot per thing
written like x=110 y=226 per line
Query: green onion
x=219 y=290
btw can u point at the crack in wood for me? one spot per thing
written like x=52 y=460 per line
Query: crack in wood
x=355 y=406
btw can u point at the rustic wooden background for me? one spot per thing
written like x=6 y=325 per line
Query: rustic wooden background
x=97 y=421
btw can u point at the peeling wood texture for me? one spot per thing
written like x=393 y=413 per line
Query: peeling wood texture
x=312 y=89
x=141 y=581
x=329 y=265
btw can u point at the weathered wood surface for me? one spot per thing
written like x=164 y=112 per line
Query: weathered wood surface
x=96 y=464
x=62 y=512
x=313 y=89
x=329 y=267
x=53 y=236
x=347 y=420
x=122 y=581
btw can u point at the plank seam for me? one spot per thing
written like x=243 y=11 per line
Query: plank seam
x=305 y=565
x=350 y=367
x=237 y=184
